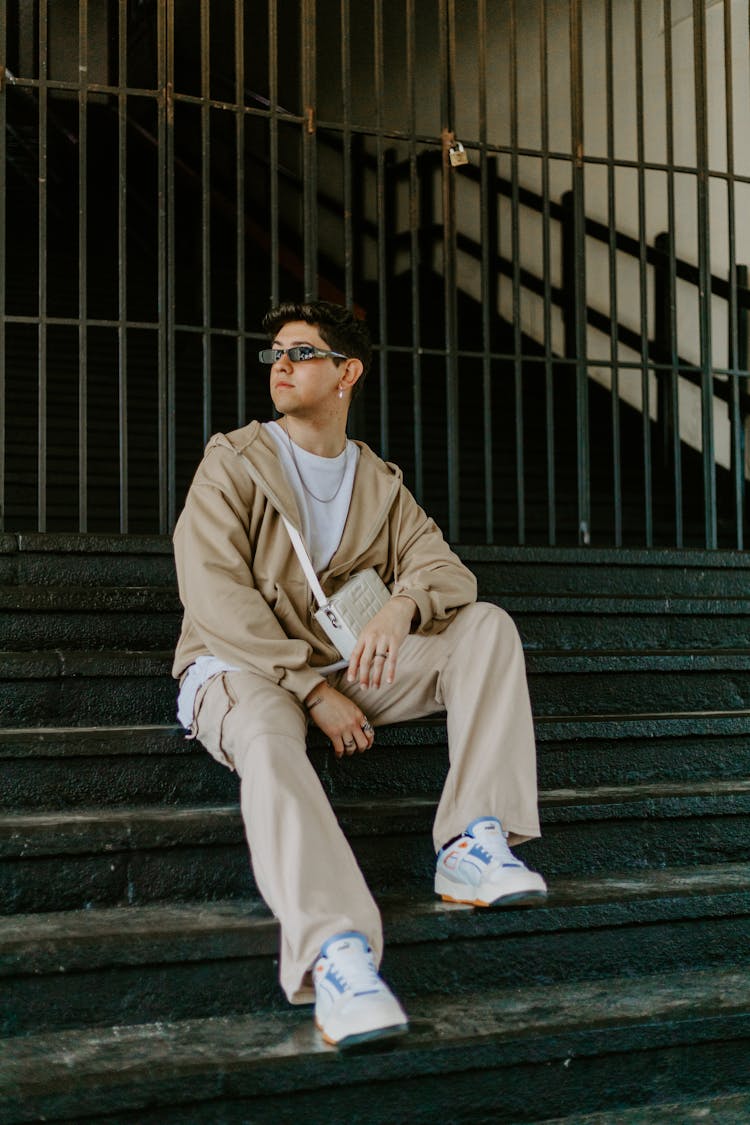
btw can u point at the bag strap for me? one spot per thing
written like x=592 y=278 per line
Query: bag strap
x=302 y=555
x=307 y=566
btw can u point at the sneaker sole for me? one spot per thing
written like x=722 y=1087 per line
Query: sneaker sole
x=521 y=885
x=502 y=900
x=364 y=1037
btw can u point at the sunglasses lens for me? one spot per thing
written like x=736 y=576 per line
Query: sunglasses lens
x=296 y=355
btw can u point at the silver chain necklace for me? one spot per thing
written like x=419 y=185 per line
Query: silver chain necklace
x=320 y=499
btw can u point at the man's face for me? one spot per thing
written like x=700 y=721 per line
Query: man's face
x=308 y=386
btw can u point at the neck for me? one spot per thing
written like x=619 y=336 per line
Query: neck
x=323 y=439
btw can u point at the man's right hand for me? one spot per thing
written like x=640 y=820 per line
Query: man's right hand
x=340 y=719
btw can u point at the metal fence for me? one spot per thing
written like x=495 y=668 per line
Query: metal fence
x=537 y=204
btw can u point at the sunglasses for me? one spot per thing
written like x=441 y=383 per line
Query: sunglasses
x=299 y=354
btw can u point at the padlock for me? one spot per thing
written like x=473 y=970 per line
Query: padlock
x=457 y=154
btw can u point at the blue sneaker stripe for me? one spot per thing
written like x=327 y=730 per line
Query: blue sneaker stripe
x=481 y=853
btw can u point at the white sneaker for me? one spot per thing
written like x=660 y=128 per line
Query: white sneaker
x=352 y=1004
x=479 y=868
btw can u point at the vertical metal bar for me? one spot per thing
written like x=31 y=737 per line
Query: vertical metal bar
x=428 y=191
x=516 y=255
x=643 y=280
x=351 y=167
x=704 y=270
x=674 y=374
x=167 y=241
x=122 y=238
x=579 y=280
x=42 y=329
x=488 y=229
x=239 y=96
x=82 y=268
x=163 y=110
x=309 y=149
x=382 y=232
x=742 y=360
x=359 y=207
x=738 y=357
x=743 y=320
x=568 y=273
x=614 y=343
x=390 y=186
x=206 y=216
x=3 y=267
x=549 y=386
x=735 y=276
x=414 y=252
x=346 y=154
x=447 y=61
x=171 y=272
x=273 y=171
x=663 y=342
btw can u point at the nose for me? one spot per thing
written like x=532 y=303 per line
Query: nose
x=283 y=363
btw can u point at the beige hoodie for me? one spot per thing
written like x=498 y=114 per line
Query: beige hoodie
x=245 y=595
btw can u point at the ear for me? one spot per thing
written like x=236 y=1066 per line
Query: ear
x=350 y=372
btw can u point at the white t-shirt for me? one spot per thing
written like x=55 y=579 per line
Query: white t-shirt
x=322 y=527
x=322 y=519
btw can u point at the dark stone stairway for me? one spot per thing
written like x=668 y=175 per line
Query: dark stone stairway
x=139 y=965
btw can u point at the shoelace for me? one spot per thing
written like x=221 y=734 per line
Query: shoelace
x=355 y=970
x=498 y=850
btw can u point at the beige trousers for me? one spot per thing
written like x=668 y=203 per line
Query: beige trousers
x=303 y=864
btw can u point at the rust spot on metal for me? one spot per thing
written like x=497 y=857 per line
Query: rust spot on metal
x=310 y=115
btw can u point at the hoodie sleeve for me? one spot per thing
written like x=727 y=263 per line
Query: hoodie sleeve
x=426 y=569
x=222 y=605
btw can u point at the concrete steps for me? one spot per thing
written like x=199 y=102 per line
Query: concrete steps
x=188 y=960
x=138 y=963
x=148 y=617
x=66 y=768
x=89 y=687
x=135 y=855
x=725 y=1109
x=144 y=617
x=630 y=1036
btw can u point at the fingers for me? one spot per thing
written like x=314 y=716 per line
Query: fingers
x=342 y=721
x=374 y=659
x=390 y=664
x=376 y=653
x=356 y=736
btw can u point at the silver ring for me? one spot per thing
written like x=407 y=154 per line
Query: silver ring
x=367 y=726
x=348 y=744
x=382 y=655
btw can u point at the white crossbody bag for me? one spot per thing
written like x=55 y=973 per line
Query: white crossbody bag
x=343 y=616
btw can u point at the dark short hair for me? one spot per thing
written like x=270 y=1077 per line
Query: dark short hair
x=337 y=325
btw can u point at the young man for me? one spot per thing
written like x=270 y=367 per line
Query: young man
x=255 y=668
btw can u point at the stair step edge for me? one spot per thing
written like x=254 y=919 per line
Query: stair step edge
x=504 y=1028
x=23 y=835
x=724 y=1109
x=53 y=663
x=83 y=940
x=53 y=741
